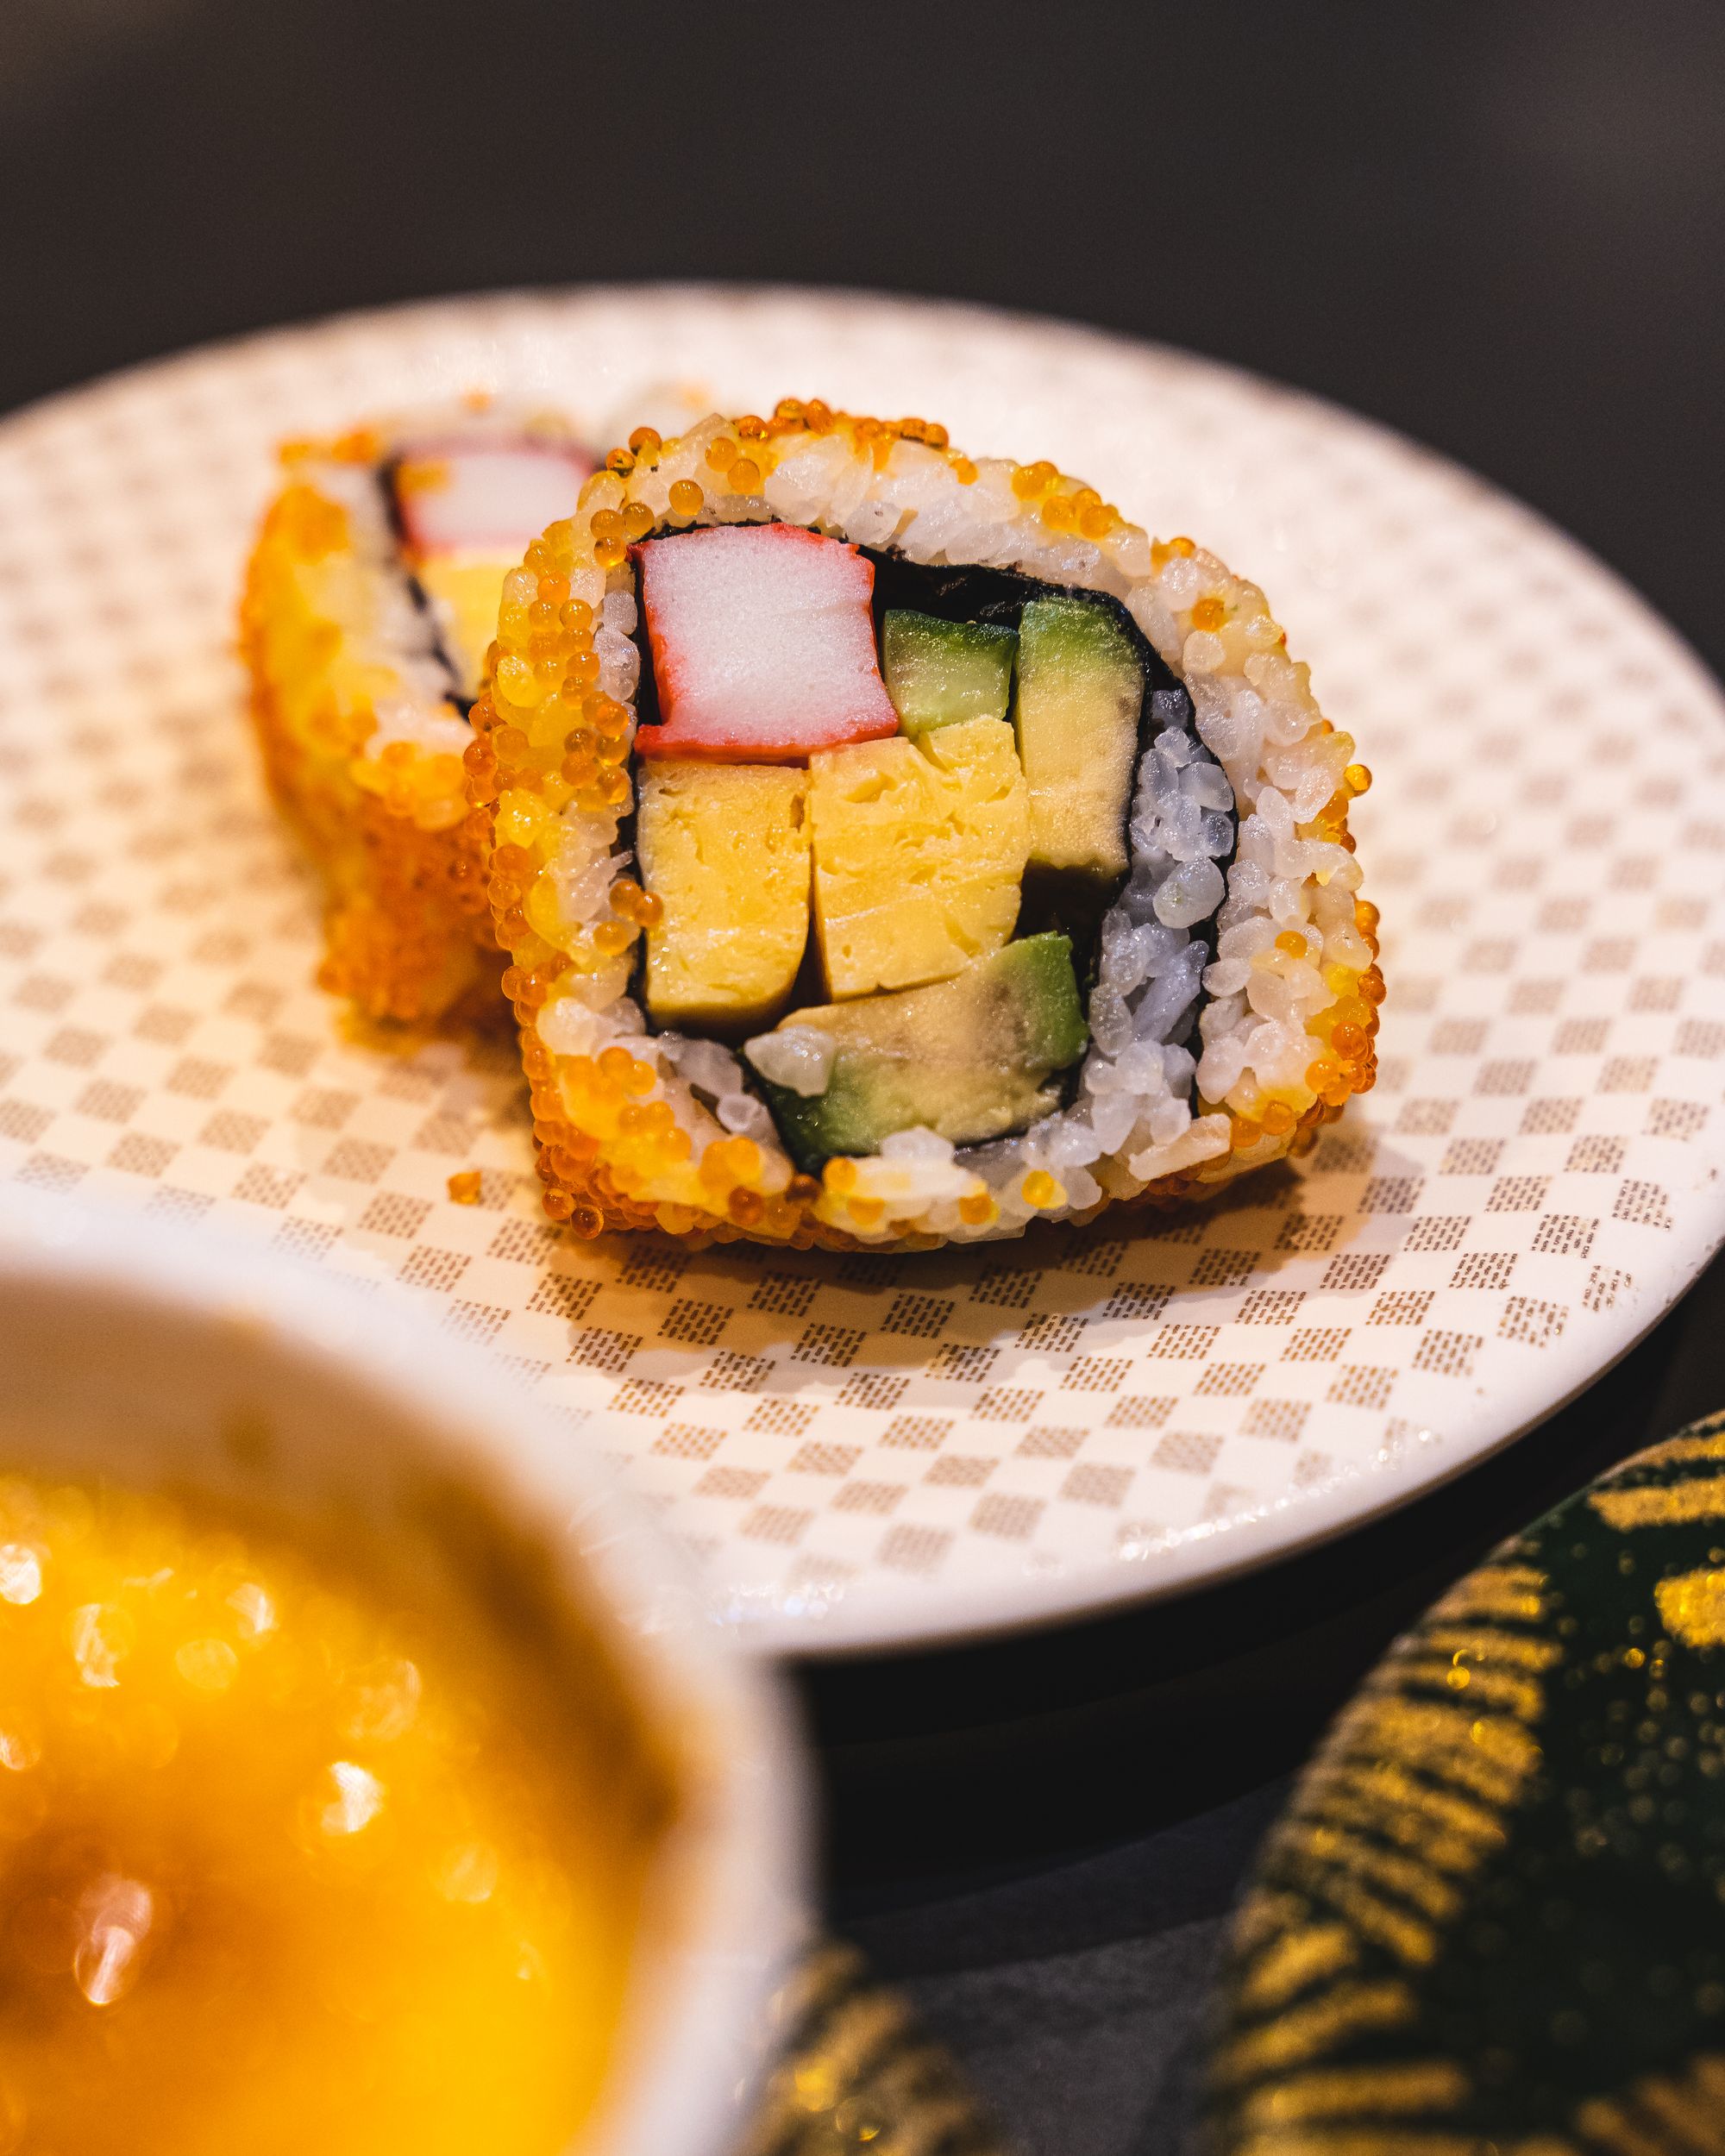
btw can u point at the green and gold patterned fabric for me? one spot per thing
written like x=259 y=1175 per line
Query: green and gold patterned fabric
x=1492 y=1920
x=857 y=2075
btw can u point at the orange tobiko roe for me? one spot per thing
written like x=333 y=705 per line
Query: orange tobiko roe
x=554 y=745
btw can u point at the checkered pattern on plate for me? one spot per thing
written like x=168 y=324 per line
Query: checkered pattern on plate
x=865 y=1449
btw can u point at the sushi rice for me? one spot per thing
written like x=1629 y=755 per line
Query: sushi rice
x=369 y=607
x=1235 y=990
x=363 y=671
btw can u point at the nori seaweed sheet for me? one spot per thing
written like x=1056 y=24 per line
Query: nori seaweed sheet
x=961 y=592
x=389 y=480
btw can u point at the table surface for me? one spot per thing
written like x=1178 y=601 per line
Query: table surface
x=1496 y=228
x=1122 y=1773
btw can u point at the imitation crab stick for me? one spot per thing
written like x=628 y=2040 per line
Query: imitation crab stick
x=763 y=645
x=492 y=498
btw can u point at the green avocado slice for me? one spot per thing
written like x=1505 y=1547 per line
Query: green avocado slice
x=940 y=672
x=1080 y=690
x=971 y=1057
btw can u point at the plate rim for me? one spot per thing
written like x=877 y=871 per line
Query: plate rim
x=941 y=1615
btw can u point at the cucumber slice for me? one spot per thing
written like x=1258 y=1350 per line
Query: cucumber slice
x=940 y=672
x=1080 y=690
x=971 y=1057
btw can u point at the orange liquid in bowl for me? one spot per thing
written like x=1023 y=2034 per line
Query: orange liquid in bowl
x=284 y=1865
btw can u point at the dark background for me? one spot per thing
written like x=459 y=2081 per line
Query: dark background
x=1495 y=225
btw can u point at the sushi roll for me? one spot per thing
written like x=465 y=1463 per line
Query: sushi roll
x=369 y=609
x=894 y=848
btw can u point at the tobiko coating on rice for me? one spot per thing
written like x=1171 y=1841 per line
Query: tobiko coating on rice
x=370 y=607
x=894 y=847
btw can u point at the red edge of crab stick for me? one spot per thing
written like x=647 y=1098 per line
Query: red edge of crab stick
x=763 y=644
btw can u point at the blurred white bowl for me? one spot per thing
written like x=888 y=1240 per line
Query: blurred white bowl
x=157 y=1356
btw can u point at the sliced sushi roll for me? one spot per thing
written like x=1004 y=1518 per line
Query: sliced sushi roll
x=369 y=611
x=894 y=848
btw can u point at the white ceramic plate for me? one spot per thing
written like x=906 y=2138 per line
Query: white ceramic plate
x=870 y=1451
